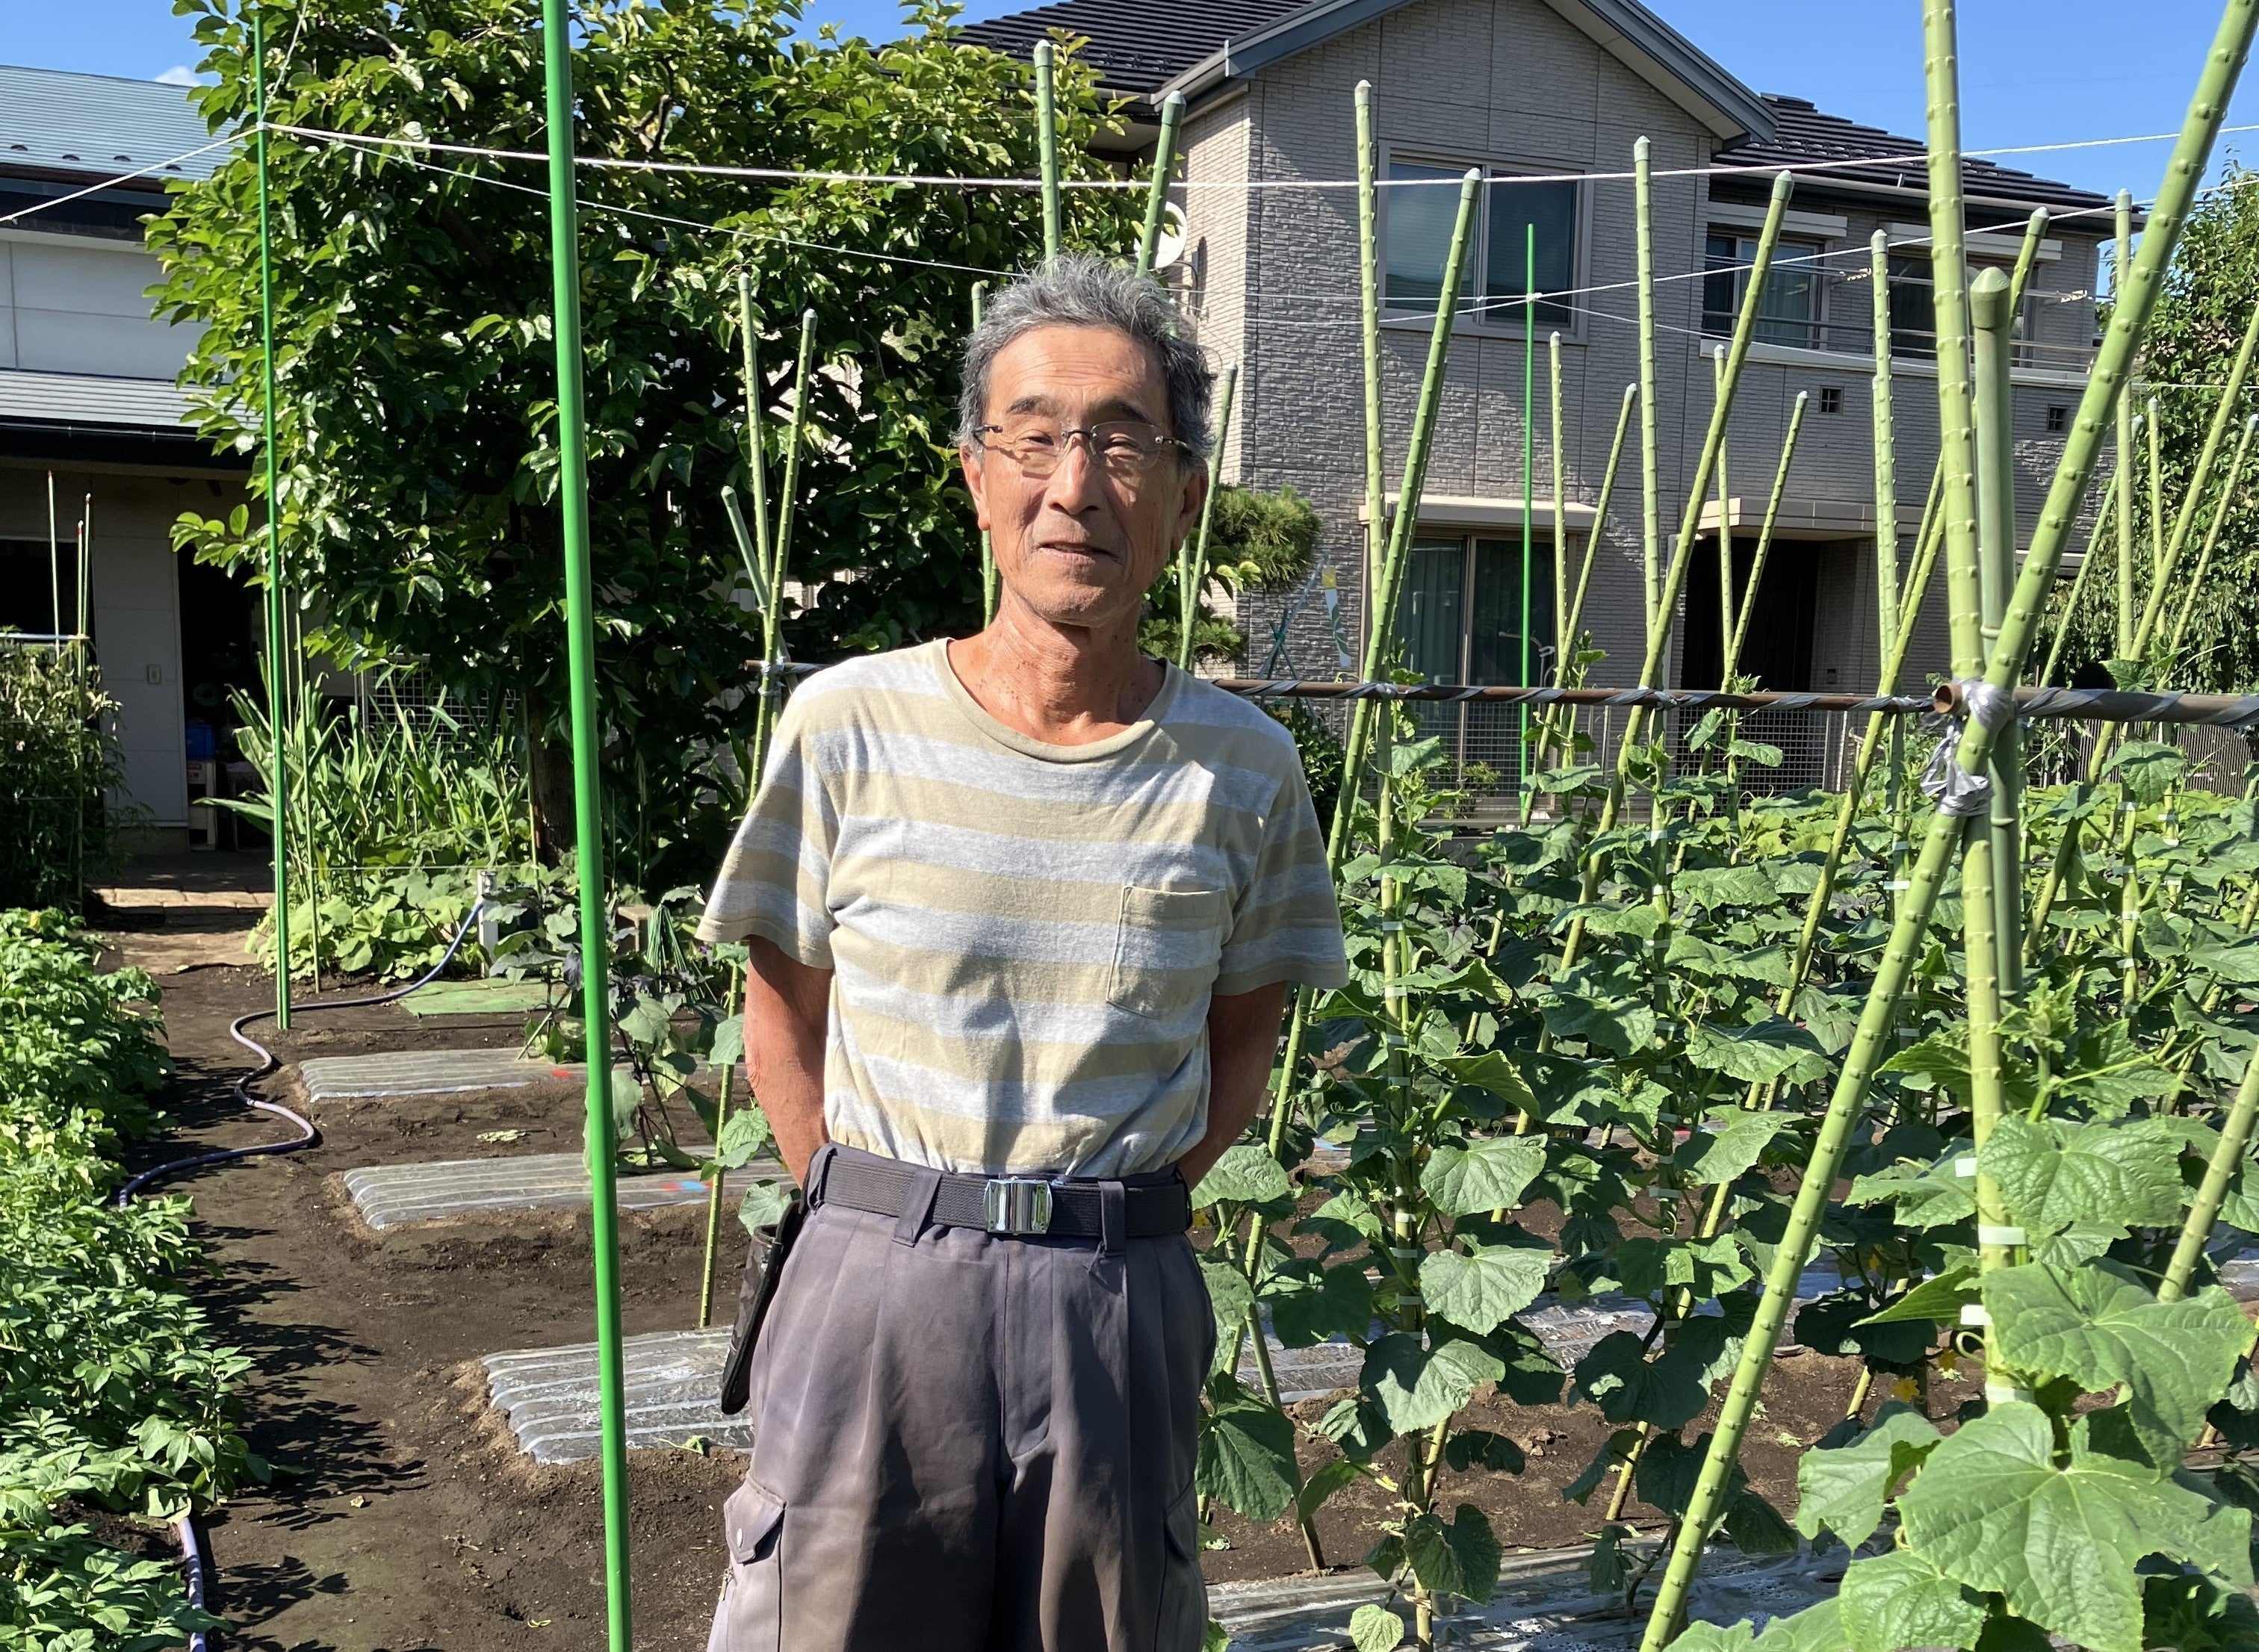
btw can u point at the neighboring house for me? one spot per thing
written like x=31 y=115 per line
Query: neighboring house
x=87 y=395
x=1552 y=87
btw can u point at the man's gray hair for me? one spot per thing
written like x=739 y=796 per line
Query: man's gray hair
x=1077 y=290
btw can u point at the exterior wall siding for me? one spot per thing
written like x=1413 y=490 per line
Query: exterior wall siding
x=1509 y=83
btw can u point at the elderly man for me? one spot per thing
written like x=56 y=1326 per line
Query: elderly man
x=1023 y=909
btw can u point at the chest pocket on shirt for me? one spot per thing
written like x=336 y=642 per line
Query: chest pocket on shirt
x=1166 y=949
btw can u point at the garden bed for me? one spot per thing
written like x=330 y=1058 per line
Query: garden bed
x=412 y=1520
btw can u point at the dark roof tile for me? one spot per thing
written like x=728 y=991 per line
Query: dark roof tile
x=1136 y=46
x=1804 y=133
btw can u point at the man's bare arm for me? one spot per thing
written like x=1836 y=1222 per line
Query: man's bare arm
x=1243 y=1042
x=787 y=1004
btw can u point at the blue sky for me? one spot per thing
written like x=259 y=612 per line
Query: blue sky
x=2031 y=71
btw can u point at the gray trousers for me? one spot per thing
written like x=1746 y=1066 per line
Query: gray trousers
x=965 y=1442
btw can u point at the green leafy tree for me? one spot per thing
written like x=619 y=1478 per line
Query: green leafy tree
x=2186 y=357
x=416 y=423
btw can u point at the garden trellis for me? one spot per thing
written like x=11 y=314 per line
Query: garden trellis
x=1488 y=1003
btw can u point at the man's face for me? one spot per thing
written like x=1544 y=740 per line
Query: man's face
x=1081 y=545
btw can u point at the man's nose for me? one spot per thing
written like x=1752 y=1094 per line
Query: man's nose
x=1075 y=487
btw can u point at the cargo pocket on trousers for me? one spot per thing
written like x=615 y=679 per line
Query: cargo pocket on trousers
x=1165 y=949
x=751 y=1618
x=1184 y=1590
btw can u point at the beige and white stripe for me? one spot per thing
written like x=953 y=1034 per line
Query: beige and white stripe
x=1025 y=936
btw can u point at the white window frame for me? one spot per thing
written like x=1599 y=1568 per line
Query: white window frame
x=1489 y=323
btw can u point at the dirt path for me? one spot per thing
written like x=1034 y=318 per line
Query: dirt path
x=403 y=1520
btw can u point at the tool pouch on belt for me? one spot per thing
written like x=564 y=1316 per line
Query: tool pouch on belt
x=764 y=1266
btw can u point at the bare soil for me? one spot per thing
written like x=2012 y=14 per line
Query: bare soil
x=402 y=1521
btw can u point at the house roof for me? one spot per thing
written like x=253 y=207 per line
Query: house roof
x=1802 y=132
x=52 y=122
x=1143 y=48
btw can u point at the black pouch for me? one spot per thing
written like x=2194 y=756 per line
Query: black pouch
x=764 y=1267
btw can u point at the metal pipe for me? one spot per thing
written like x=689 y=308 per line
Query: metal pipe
x=588 y=813
x=1047 y=148
x=1191 y=560
x=1165 y=164
x=278 y=780
x=2113 y=362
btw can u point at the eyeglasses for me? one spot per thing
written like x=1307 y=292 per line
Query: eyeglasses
x=1125 y=448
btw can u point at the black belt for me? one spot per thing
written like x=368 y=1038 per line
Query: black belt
x=1151 y=1206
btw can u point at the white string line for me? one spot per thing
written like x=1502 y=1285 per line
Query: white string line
x=1913 y=159
x=1462 y=308
x=584 y=204
x=123 y=177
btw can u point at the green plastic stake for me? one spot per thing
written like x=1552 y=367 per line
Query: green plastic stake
x=1996 y=553
x=757 y=462
x=588 y=813
x=988 y=586
x=794 y=434
x=1047 y=148
x=1528 y=472
x=1560 y=495
x=1165 y=164
x=1191 y=560
x=279 y=780
x=1651 y=496
x=2113 y=361
x=1592 y=537
x=2121 y=263
x=2219 y=1171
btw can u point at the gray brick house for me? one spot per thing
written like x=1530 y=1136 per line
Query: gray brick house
x=1552 y=87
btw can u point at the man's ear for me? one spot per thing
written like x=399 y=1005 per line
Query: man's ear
x=976 y=483
x=1196 y=496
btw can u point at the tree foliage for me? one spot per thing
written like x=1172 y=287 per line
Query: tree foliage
x=2187 y=353
x=416 y=417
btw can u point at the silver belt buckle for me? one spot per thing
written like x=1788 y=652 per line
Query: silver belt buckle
x=1017 y=1205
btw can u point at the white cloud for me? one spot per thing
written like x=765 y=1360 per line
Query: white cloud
x=179 y=75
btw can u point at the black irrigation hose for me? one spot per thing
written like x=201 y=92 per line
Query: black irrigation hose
x=194 y=1567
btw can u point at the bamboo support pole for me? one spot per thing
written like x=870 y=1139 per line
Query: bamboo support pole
x=715 y=1188
x=2113 y=361
x=1375 y=529
x=1165 y=166
x=2168 y=663
x=1725 y=528
x=2144 y=631
x=1658 y=640
x=1047 y=156
x=1886 y=479
x=588 y=814
x=2219 y=1171
x=1996 y=545
x=1765 y=536
x=2078 y=580
x=278 y=778
x=1985 y=940
x=2155 y=440
x=1191 y=558
x=1650 y=459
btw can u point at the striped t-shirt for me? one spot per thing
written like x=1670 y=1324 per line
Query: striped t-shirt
x=1024 y=937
